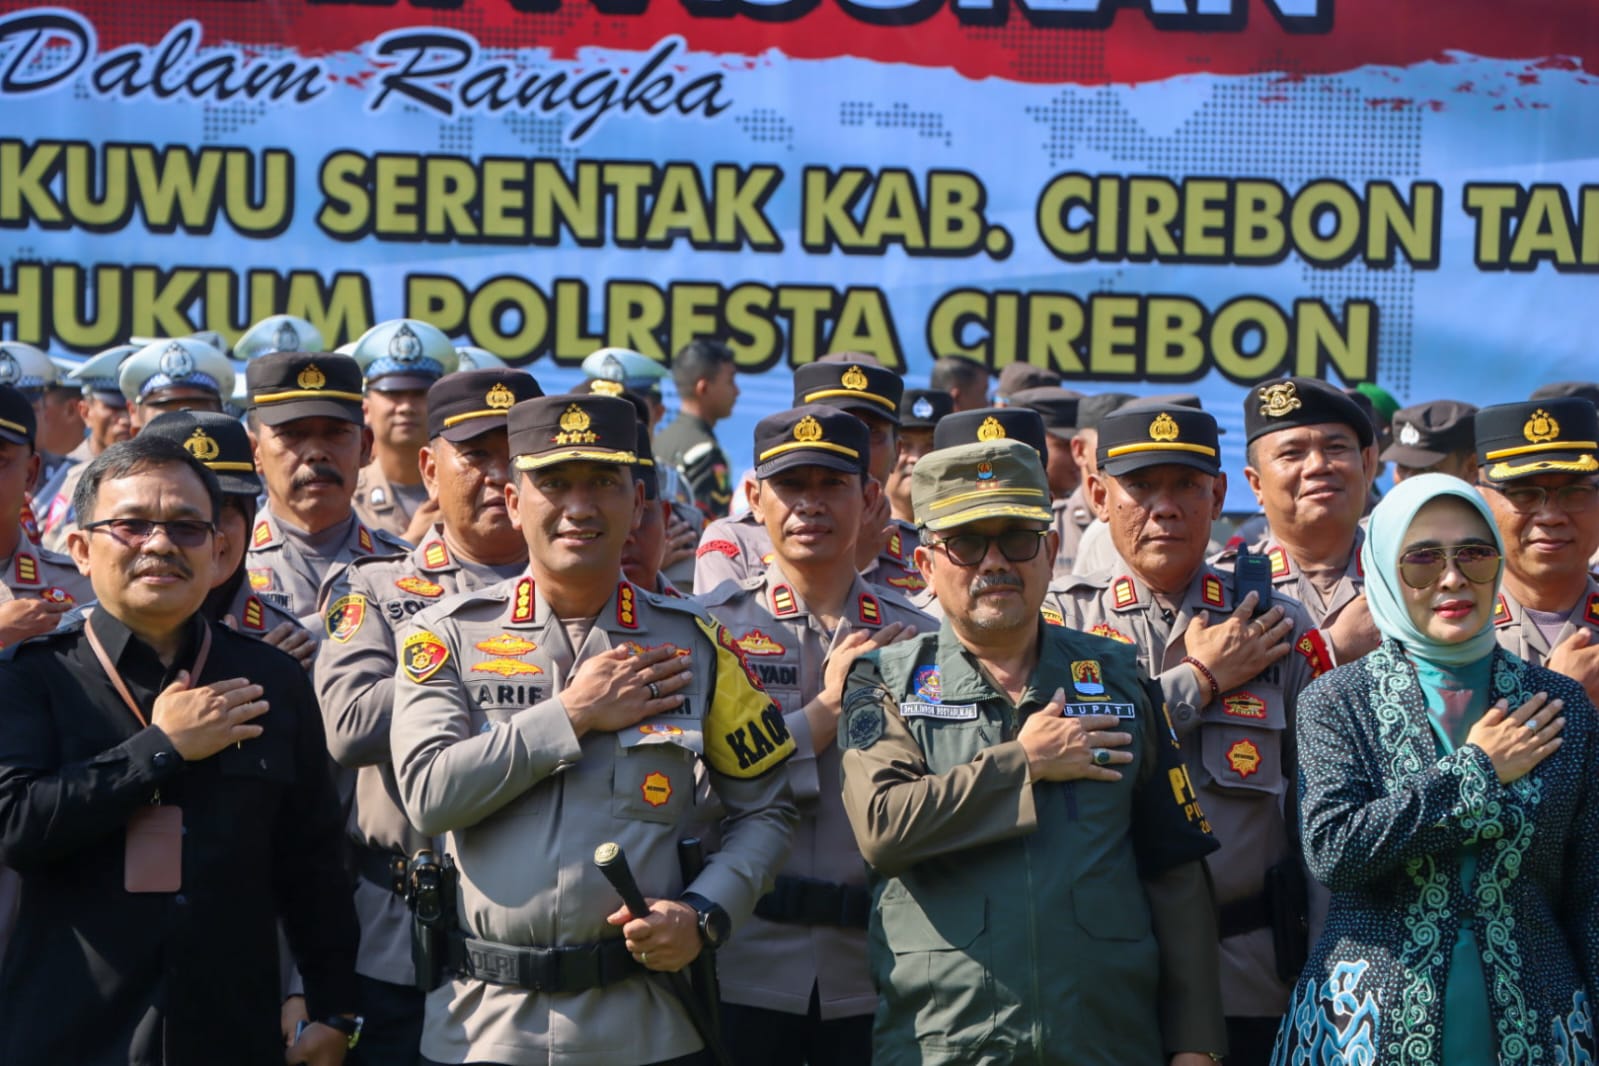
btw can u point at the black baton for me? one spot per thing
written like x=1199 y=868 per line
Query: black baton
x=613 y=864
x=691 y=861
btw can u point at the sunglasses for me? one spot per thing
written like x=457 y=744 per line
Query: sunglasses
x=1478 y=563
x=969 y=549
x=182 y=532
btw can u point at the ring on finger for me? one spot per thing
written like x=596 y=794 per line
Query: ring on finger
x=644 y=957
x=1531 y=723
x=655 y=691
x=1101 y=756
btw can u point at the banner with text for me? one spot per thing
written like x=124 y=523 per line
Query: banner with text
x=1192 y=194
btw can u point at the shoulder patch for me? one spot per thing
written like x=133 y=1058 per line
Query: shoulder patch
x=698 y=452
x=896 y=545
x=363 y=538
x=1124 y=593
x=745 y=735
x=870 y=613
x=863 y=722
x=27 y=568
x=522 y=607
x=1210 y=593
x=422 y=656
x=1087 y=679
x=262 y=535
x=626 y=606
x=1590 y=613
x=435 y=555
x=1110 y=632
x=783 y=600
x=254 y=614
x=1244 y=758
x=1279 y=562
x=1314 y=649
x=928 y=684
x=419 y=586
x=1502 y=611
x=344 y=617
x=726 y=547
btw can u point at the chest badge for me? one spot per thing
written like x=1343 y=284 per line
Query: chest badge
x=1052 y=615
x=1110 y=632
x=56 y=594
x=928 y=684
x=1244 y=705
x=651 y=730
x=757 y=643
x=1087 y=679
x=1244 y=758
x=908 y=581
x=422 y=656
x=657 y=789
x=344 y=618
x=260 y=579
x=506 y=668
x=419 y=586
x=506 y=644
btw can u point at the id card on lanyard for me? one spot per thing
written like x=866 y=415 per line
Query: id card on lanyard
x=153 y=844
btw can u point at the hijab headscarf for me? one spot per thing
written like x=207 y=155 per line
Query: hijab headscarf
x=1385 y=542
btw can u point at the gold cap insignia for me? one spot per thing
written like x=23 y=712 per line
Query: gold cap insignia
x=854 y=378
x=1541 y=427
x=202 y=446
x=500 y=397
x=1279 y=399
x=575 y=427
x=1163 y=428
x=990 y=430
x=807 y=429
x=605 y=388
x=311 y=378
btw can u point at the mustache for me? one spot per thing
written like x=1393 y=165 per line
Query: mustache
x=319 y=472
x=994 y=581
x=162 y=564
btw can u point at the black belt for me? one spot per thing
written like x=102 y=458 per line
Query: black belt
x=381 y=867
x=562 y=970
x=806 y=901
x=1244 y=916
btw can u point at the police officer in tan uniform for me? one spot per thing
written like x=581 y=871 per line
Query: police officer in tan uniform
x=305 y=422
x=795 y=985
x=1537 y=465
x=104 y=410
x=1310 y=465
x=732 y=549
x=1230 y=680
x=176 y=374
x=401 y=359
x=222 y=446
x=37 y=586
x=542 y=716
x=466 y=465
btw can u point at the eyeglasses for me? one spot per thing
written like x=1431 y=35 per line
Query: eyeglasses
x=1530 y=499
x=969 y=549
x=1478 y=563
x=182 y=532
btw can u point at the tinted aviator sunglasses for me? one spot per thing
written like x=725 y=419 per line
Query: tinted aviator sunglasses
x=1477 y=563
x=182 y=532
x=969 y=549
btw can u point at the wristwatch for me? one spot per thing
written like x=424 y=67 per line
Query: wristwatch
x=715 y=925
x=349 y=1025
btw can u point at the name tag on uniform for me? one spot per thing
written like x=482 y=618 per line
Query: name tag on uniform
x=949 y=712
x=1079 y=710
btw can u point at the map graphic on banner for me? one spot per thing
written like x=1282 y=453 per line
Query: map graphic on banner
x=1178 y=194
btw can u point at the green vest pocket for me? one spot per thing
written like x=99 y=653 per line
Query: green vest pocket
x=941 y=965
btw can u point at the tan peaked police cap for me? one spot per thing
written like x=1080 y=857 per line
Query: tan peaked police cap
x=971 y=482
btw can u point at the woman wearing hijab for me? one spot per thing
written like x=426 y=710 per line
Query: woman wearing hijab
x=1448 y=800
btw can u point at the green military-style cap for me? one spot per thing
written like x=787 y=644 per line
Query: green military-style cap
x=970 y=482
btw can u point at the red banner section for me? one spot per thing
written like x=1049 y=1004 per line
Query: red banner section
x=1082 y=41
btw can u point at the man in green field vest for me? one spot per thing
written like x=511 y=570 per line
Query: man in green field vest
x=1034 y=840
